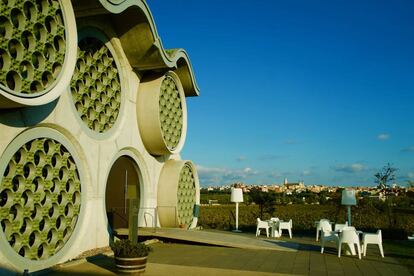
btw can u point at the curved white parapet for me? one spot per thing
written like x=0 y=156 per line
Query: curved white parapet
x=149 y=52
x=162 y=114
x=37 y=51
x=178 y=194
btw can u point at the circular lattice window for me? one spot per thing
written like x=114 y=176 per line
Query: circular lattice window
x=40 y=197
x=186 y=195
x=95 y=86
x=32 y=45
x=162 y=113
x=171 y=113
x=178 y=194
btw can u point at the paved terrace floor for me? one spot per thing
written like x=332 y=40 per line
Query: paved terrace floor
x=213 y=237
x=299 y=256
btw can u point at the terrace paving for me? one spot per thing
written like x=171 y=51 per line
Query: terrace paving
x=299 y=256
x=212 y=237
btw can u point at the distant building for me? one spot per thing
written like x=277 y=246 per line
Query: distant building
x=294 y=186
x=315 y=188
x=264 y=188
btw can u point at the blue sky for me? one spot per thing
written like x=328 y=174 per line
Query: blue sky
x=320 y=91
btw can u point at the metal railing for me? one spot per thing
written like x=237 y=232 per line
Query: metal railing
x=148 y=217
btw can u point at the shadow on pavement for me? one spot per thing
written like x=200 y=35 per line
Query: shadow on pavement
x=295 y=245
x=103 y=261
x=95 y=265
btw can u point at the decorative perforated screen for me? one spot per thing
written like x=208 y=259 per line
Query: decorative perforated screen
x=95 y=85
x=171 y=113
x=186 y=195
x=40 y=197
x=32 y=45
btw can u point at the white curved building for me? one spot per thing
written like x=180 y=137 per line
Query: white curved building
x=92 y=114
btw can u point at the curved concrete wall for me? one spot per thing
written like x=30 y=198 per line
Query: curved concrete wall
x=77 y=110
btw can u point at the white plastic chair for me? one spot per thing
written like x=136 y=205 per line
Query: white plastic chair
x=349 y=228
x=328 y=236
x=372 y=238
x=287 y=225
x=318 y=227
x=262 y=225
x=350 y=237
x=339 y=227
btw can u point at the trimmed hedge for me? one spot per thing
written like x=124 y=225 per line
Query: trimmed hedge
x=367 y=218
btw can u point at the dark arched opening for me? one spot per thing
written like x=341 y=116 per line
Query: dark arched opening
x=122 y=186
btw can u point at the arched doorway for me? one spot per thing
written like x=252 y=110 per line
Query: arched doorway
x=123 y=184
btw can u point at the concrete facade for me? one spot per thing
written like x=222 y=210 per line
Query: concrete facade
x=67 y=116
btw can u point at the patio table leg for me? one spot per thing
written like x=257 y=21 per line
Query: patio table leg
x=275 y=232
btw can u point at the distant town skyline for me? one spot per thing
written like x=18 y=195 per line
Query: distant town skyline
x=316 y=91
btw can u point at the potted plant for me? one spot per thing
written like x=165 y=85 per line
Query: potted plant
x=130 y=257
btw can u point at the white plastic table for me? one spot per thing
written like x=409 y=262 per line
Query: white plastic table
x=274 y=228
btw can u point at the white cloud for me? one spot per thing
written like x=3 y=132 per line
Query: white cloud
x=383 y=136
x=408 y=149
x=410 y=175
x=221 y=176
x=240 y=158
x=202 y=169
x=275 y=174
x=306 y=172
x=269 y=157
x=290 y=142
x=350 y=168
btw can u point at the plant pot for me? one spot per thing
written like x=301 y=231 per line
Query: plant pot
x=131 y=265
